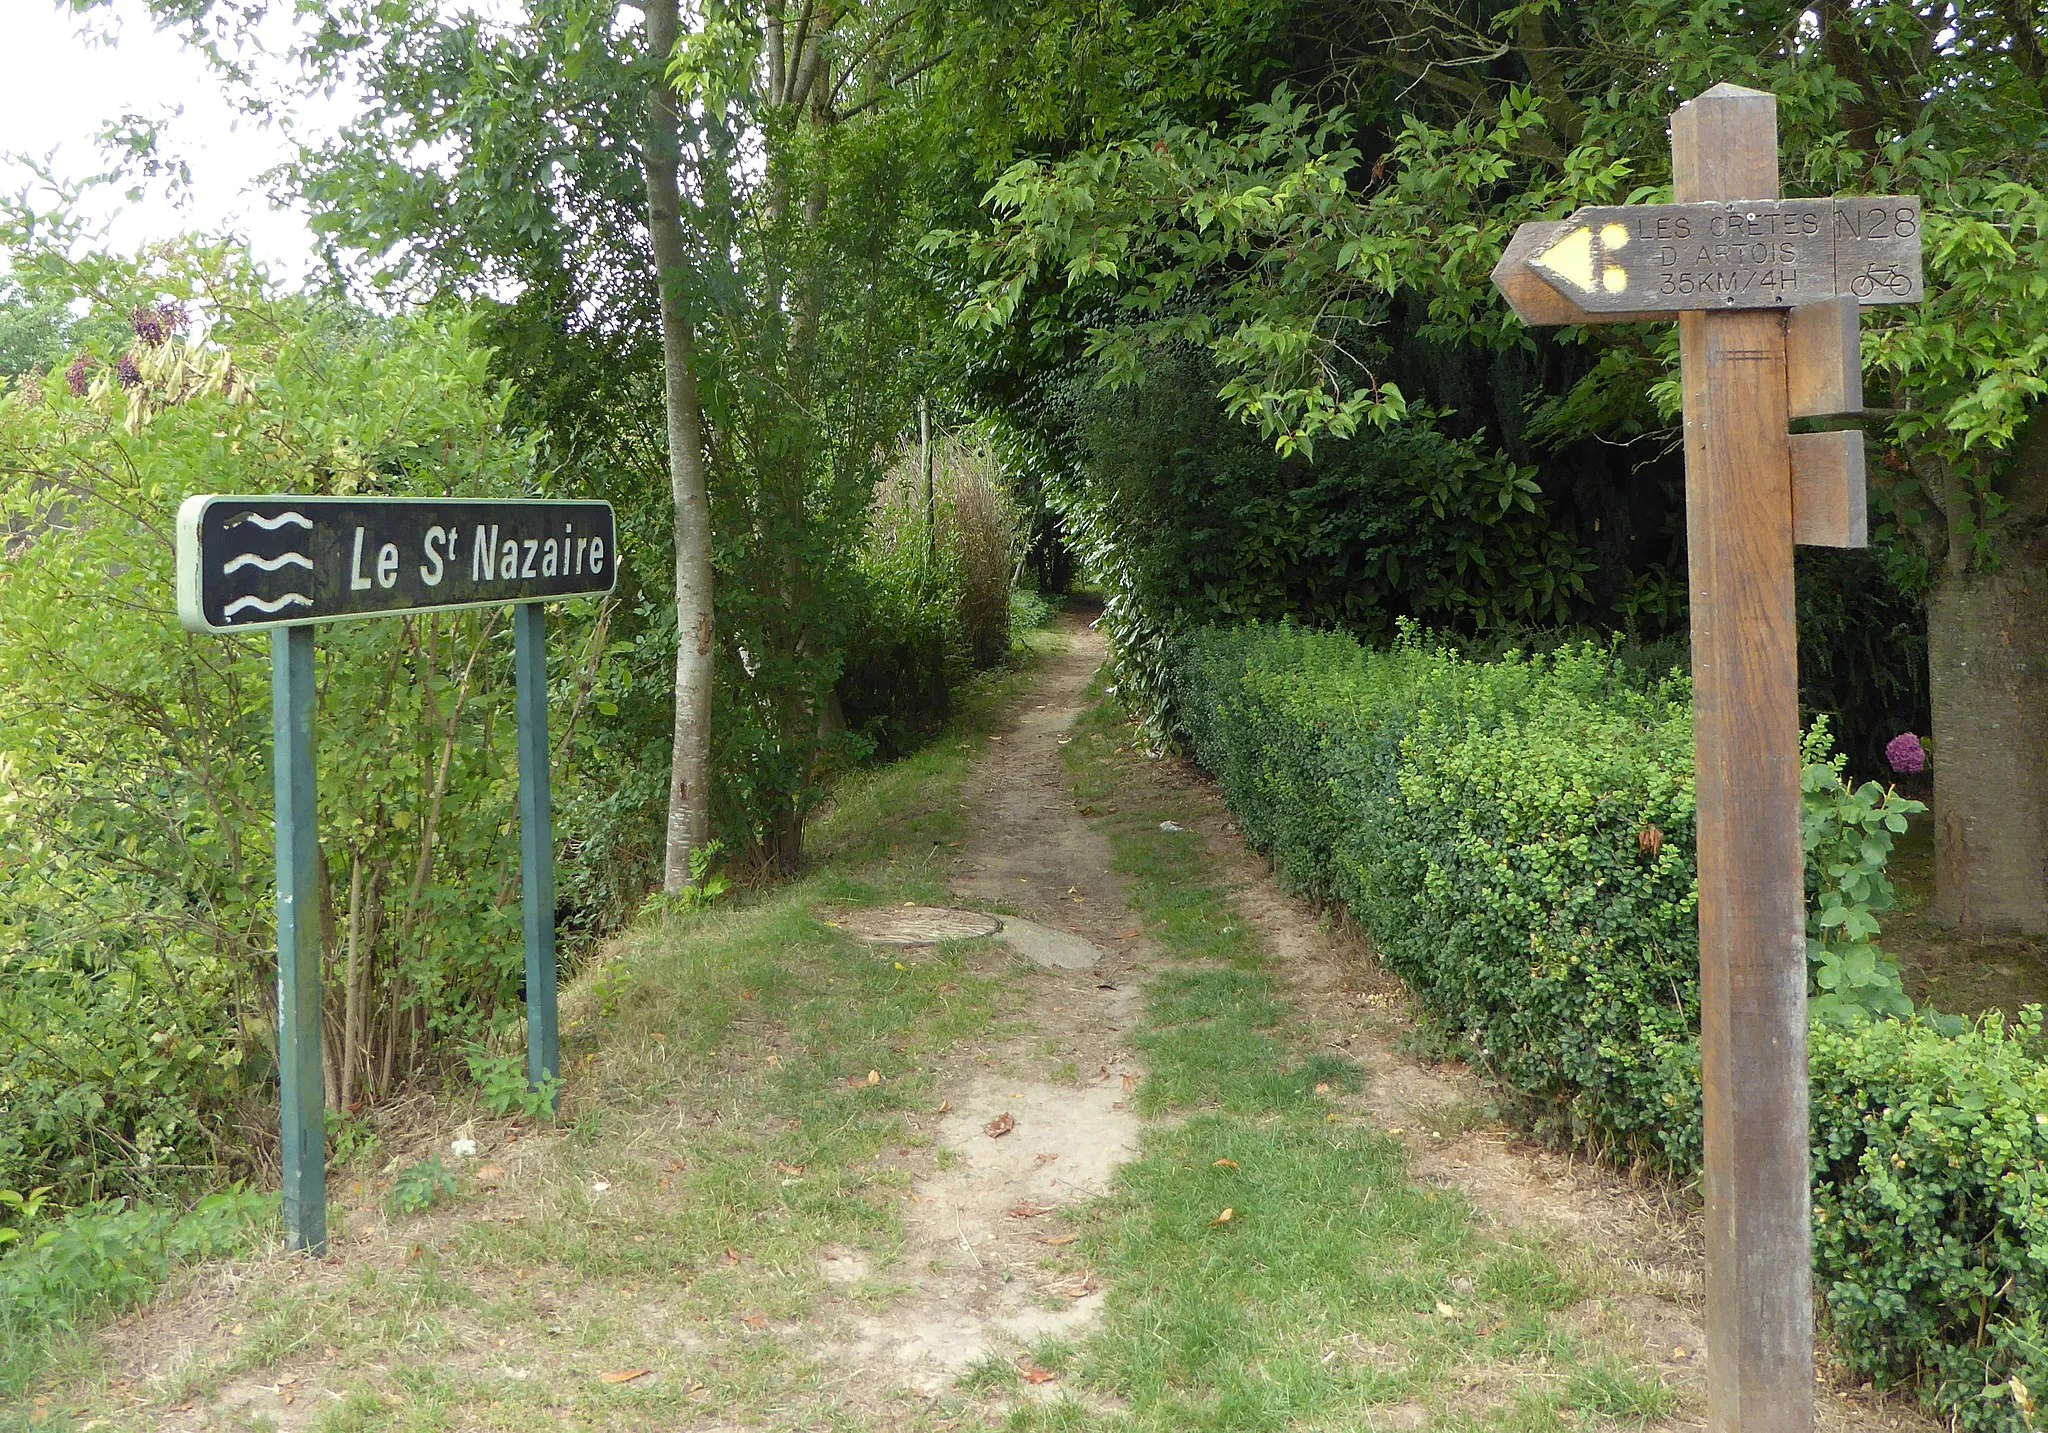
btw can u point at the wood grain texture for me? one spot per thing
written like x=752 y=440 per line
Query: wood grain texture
x=1752 y=899
x=1824 y=359
x=1830 y=504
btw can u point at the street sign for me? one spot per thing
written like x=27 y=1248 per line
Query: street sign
x=255 y=562
x=286 y=563
x=1766 y=293
x=1746 y=254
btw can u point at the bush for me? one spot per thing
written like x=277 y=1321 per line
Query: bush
x=935 y=595
x=137 y=956
x=1518 y=837
x=1187 y=516
x=104 y=1258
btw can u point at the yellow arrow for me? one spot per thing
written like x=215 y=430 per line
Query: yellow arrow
x=1582 y=254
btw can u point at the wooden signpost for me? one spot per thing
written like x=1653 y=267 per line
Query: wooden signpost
x=1765 y=292
x=284 y=564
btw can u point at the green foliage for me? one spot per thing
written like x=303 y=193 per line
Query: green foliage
x=1518 y=837
x=1186 y=517
x=135 y=827
x=1847 y=834
x=421 y=1186
x=493 y=157
x=106 y=1258
x=1931 y=1207
x=502 y=1087
x=905 y=653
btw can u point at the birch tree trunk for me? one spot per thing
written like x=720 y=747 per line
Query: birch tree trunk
x=689 y=784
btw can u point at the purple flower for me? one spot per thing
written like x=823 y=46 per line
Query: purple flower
x=128 y=371
x=1907 y=756
x=154 y=325
x=78 y=377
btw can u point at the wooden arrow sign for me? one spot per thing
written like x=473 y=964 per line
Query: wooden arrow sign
x=1645 y=259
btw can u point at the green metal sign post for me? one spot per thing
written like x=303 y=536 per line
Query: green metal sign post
x=536 y=845
x=285 y=564
x=298 y=940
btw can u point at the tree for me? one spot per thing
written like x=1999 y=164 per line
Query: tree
x=636 y=197
x=689 y=789
x=1281 y=242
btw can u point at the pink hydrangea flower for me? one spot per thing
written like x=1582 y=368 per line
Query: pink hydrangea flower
x=1905 y=753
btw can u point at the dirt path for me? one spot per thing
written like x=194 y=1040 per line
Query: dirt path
x=987 y=1283
x=509 y=1297
x=1361 y=1010
x=983 y=1256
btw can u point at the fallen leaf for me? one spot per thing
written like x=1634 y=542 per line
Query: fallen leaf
x=623 y=1375
x=945 y=1107
x=1041 y=1161
x=789 y=1168
x=489 y=1172
x=1679 y=1352
x=1323 y=1089
x=676 y=1166
x=1445 y=1311
x=1130 y=1083
x=874 y=1077
x=755 y=1321
x=732 y=1256
x=1028 y=1210
x=1224 y=1218
x=1224 y=1164
x=1001 y=1125
x=749 y=994
x=1057 y=1240
x=1034 y=1374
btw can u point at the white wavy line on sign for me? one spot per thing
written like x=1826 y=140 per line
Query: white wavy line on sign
x=272 y=524
x=260 y=605
x=268 y=564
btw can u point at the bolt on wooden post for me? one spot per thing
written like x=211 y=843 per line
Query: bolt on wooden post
x=1766 y=293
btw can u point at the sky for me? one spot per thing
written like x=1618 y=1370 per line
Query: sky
x=65 y=81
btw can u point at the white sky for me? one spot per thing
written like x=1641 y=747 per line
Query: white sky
x=64 y=82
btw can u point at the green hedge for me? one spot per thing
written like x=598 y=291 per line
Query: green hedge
x=1518 y=838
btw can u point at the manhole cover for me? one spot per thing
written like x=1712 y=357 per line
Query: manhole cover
x=914 y=925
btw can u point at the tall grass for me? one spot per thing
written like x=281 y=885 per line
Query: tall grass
x=956 y=516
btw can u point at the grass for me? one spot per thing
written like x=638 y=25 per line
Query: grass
x=739 y=1083
x=1271 y=1262
x=736 y=1085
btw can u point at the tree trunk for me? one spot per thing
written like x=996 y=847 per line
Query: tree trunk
x=689 y=784
x=924 y=458
x=1987 y=644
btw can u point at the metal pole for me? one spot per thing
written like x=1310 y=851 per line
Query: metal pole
x=536 y=843
x=302 y=1096
x=1738 y=482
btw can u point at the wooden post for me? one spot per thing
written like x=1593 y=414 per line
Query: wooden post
x=536 y=842
x=1724 y=145
x=301 y=1093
